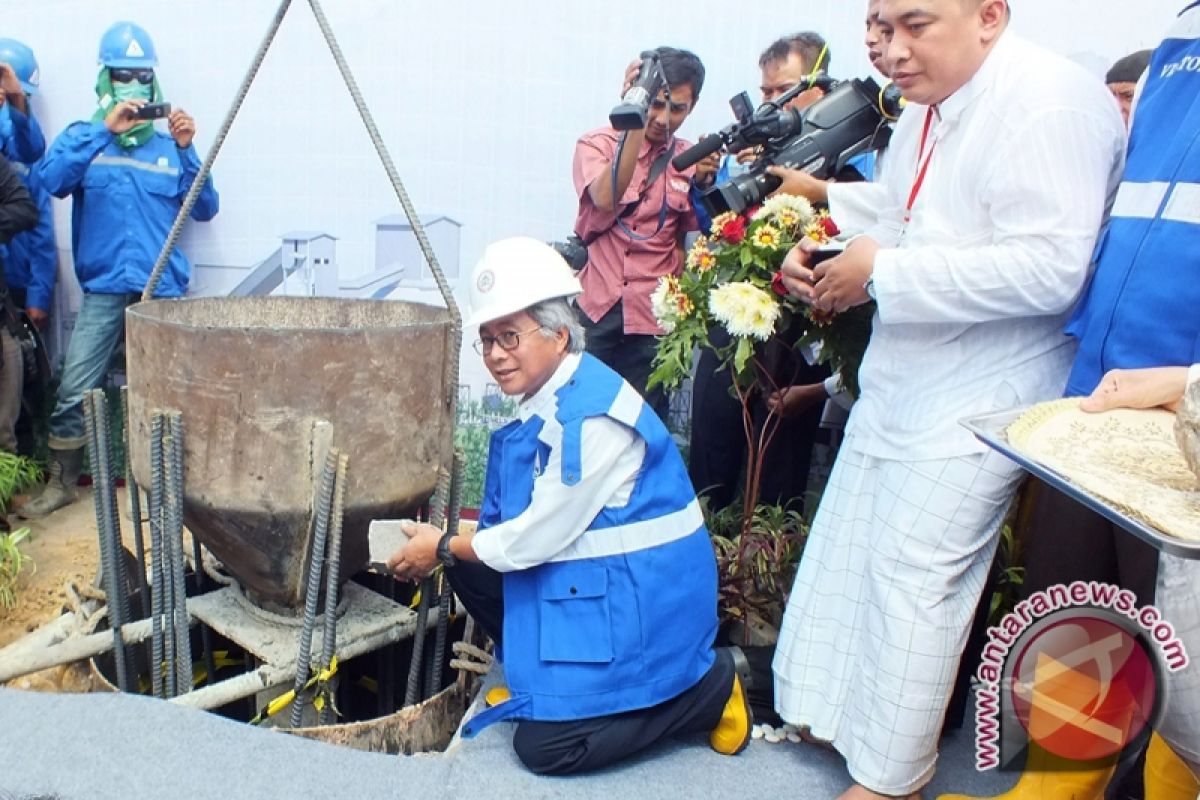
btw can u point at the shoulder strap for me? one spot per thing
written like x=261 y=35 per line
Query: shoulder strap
x=656 y=169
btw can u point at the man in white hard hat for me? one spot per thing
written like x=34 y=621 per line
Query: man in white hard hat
x=591 y=568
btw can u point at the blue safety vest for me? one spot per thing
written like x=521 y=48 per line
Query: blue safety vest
x=124 y=204
x=1142 y=307
x=627 y=618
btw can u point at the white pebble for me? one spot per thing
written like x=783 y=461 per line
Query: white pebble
x=773 y=738
x=794 y=738
x=768 y=730
x=790 y=728
x=756 y=732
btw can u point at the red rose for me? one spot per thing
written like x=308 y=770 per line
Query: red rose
x=831 y=228
x=734 y=231
x=777 y=285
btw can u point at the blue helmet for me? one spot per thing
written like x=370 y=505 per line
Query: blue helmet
x=20 y=58
x=127 y=45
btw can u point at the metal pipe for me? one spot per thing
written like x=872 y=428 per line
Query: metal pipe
x=72 y=650
x=179 y=616
x=135 y=509
x=108 y=558
x=313 y=589
x=157 y=561
x=412 y=691
x=332 y=575
x=268 y=676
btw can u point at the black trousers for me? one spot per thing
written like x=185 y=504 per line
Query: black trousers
x=717 y=455
x=628 y=354
x=1067 y=542
x=562 y=748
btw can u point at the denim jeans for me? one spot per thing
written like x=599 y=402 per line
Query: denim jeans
x=98 y=329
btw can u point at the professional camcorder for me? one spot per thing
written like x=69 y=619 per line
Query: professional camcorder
x=630 y=114
x=849 y=120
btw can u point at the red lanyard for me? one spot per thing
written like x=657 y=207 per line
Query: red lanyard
x=922 y=166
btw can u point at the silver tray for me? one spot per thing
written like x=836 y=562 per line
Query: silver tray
x=990 y=428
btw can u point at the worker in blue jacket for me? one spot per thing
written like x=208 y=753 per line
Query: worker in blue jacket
x=31 y=258
x=127 y=182
x=591 y=568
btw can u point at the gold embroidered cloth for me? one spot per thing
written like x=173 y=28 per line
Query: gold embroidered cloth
x=1129 y=458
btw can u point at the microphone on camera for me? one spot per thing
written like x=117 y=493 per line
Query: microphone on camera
x=705 y=147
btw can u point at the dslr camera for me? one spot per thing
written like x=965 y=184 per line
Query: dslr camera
x=853 y=117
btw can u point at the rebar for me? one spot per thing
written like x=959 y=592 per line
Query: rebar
x=135 y=509
x=108 y=490
x=210 y=664
x=333 y=560
x=174 y=511
x=321 y=528
x=159 y=646
x=412 y=692
x=206 y=168
x=109 y=555
x=433 y=677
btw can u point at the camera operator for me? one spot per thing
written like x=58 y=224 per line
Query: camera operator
x=127 y=182
x=718 y=442
x=635 y=226
x=785 y=64
x=853 y=208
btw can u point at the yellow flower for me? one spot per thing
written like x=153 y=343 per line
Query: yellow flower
x=767 y=238
x=719 y=222
x=700 y=258
x=744 y=310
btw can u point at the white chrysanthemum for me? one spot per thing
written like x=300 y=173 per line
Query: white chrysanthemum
x=663 y=303
x=778 y=204
x=744 y=310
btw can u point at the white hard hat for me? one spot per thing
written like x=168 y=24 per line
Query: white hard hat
x=515 y=274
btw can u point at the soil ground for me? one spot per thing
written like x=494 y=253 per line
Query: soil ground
x=65 y=549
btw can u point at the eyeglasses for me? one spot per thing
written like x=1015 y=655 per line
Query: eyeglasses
x=508 y=341
x=125 y=75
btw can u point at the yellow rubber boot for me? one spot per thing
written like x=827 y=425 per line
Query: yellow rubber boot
x=1167 y=776
x=1050 y=777
x=732 y=733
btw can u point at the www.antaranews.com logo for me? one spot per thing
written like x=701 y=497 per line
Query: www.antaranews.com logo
x=1078 y=667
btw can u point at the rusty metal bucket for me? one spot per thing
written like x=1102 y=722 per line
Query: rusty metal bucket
x=254 y=378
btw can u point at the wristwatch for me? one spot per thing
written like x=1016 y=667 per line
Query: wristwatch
x=444 y=555
x=869 y=287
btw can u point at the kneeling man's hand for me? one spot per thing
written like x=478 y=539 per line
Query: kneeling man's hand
x=416 y=559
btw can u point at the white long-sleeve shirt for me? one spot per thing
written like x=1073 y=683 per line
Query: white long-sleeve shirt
x=972 y=297
x=558 y=514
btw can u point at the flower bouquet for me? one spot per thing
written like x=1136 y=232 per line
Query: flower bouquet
x=731 y=282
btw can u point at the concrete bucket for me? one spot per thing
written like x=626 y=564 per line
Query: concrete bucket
x=262 y=382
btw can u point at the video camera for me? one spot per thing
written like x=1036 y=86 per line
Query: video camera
x=850 y=119
x=630 y=114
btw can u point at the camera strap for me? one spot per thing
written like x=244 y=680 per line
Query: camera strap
x=656 y=169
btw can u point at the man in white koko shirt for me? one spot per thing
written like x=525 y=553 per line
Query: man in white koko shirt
x=998 y=177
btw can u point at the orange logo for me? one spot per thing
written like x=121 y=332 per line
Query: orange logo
x=1084 y=687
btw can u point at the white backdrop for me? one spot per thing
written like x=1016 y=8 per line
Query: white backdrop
x=479 y=102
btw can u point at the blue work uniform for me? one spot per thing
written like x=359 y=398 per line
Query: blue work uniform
x=30 y=259
x=626 y=618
